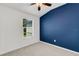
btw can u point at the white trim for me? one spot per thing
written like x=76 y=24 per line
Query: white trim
x=18 y=48
x=60 y=47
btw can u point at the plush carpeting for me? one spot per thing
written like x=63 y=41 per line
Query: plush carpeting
x=41 y=49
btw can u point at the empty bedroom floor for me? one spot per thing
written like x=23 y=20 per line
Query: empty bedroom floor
x=41 y=49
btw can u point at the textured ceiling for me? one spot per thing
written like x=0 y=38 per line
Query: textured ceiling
x=27 y=8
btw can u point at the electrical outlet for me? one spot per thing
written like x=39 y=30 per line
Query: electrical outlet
x=54 y=40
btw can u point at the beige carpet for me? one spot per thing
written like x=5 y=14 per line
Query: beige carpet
x=41 y=49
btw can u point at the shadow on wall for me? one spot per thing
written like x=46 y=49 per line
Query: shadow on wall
x=61 y=26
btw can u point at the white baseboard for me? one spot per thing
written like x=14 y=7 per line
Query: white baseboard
x=18 y=48
x=60 y=47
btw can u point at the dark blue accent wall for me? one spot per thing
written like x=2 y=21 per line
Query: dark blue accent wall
x=61 y=26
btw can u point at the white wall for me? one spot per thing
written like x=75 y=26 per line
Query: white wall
x=11 y=35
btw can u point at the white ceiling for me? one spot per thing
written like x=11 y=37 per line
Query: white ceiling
x=27 y=8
